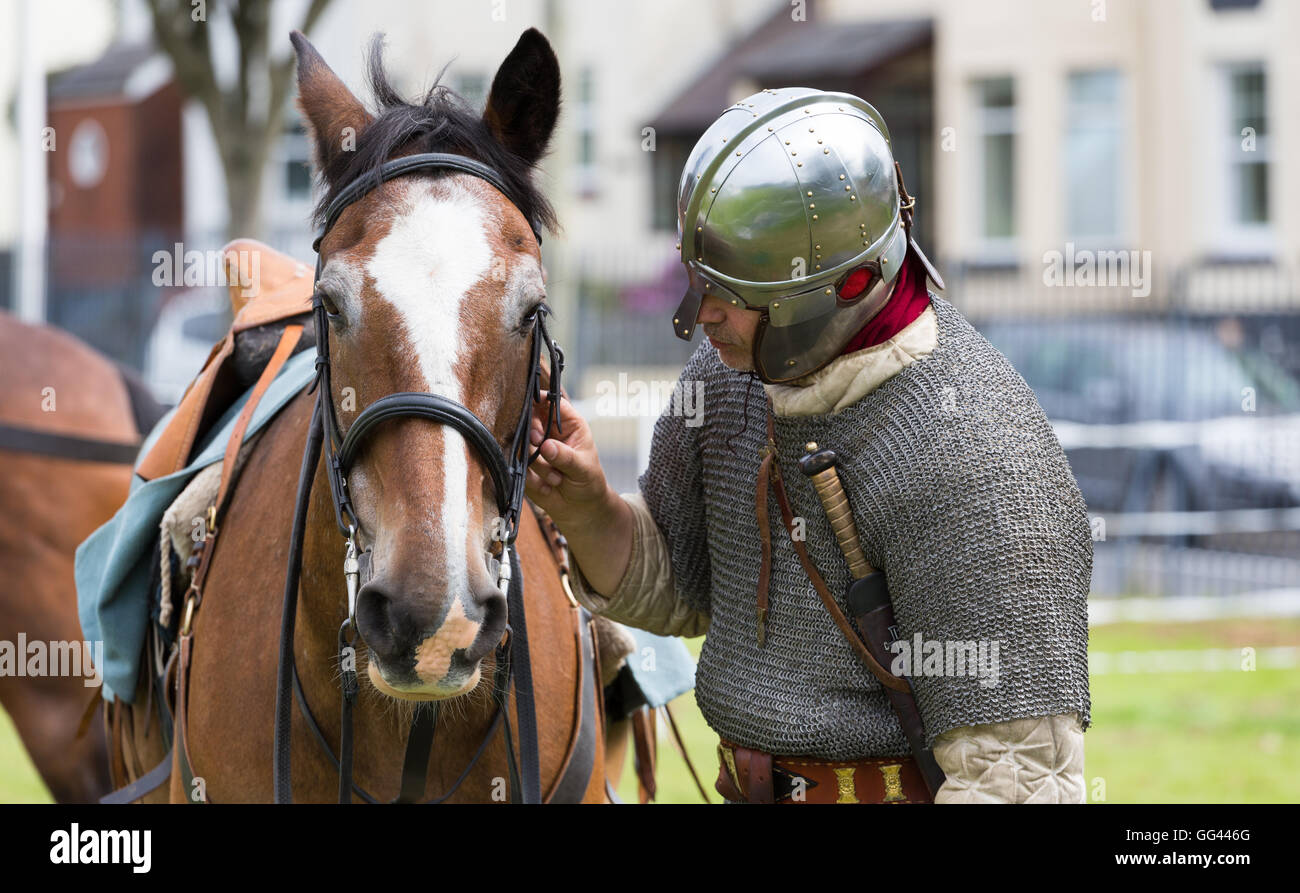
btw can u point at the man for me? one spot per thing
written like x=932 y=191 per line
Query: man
x=795 y=236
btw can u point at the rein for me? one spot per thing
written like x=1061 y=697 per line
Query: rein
x=508 y=470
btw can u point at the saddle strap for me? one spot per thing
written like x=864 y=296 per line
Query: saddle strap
x=150 y=781
x=575 y=770
x=205 y=550
x=17 y=439
x=645 y=753
x=181 y=737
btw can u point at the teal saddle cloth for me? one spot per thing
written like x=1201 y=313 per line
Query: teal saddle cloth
x=114 y=566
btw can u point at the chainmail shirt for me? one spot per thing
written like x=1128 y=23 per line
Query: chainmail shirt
x=962 y=496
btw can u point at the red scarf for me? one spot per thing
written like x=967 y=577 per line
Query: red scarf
x=908 y=301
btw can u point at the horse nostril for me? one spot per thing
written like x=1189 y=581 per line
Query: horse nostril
x=374 y=622
x=495 y=613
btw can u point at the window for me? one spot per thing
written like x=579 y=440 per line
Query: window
x=995 y=123
x=1248 y=111
x=1094 y=163
x=586 y=120
x=667 y=161
x=296 y=158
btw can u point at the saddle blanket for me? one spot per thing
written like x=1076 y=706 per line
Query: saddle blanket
x=114 y=583
x=114 y=566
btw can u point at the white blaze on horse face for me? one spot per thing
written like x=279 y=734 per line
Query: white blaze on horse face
x=435 y=251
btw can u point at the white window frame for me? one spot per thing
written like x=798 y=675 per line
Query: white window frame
x=586 y=174
x=1123 y=230
x=994 y=249
x=1234 y=238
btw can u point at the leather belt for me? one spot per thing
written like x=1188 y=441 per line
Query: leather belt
x=748 y=775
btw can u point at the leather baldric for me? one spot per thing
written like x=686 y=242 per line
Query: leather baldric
x=898 y=689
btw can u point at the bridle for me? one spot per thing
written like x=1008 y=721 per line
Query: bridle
x=508 y=470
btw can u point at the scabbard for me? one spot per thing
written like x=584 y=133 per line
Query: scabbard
x=871 y=609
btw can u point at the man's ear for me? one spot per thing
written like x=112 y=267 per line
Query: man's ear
x=335 y=118
x=524 y=102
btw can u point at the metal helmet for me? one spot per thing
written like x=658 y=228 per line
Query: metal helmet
x=787 y=196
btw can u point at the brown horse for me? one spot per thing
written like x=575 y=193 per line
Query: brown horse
x=56 y=392
x=427 y=281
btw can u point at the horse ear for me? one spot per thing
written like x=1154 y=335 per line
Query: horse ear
x=525 y=98
x=334 y=116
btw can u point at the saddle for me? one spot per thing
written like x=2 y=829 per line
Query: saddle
x=278 y=293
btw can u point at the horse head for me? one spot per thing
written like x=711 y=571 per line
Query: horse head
x=430 y=282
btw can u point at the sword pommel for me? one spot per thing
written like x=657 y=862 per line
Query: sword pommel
x=816 y=460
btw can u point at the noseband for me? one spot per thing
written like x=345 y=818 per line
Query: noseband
x=508 y=469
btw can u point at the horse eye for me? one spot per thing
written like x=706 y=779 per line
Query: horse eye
x=526 y=324
x=327 y=301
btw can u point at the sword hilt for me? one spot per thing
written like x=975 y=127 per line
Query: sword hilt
x=819 y=465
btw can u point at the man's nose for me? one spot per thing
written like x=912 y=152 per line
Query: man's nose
x=712 y=310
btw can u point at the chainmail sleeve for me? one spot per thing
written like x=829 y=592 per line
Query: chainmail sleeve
x=673 y=484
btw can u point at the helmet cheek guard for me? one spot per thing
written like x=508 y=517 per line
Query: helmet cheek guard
x=784 y=353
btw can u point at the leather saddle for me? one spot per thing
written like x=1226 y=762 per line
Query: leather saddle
x=268 y=290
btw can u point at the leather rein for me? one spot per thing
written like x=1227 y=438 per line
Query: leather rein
x=508 y=470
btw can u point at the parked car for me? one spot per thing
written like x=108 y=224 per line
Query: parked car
x=181 y=339
x=1162 y=416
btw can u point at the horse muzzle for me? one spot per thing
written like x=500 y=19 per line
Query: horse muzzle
x=407 y=661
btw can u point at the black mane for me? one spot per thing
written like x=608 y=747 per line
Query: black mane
x=441 y=122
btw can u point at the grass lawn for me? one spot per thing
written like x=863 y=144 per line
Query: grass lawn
x=1177 y=737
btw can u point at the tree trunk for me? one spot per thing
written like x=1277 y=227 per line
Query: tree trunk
x=245 y=171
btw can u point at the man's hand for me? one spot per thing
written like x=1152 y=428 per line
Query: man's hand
x=567 y=482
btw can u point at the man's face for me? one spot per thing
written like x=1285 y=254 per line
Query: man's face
x=730 y=328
